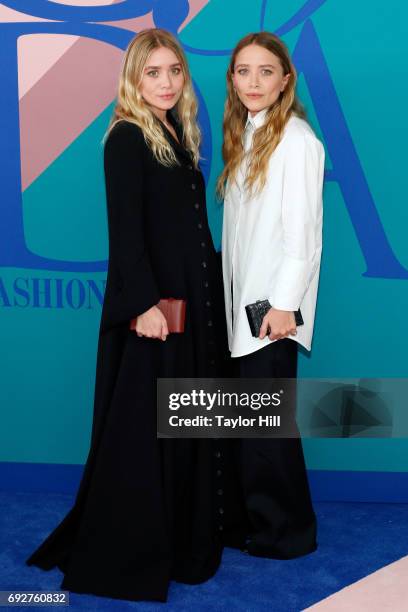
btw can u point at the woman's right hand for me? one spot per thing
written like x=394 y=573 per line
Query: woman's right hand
x=152 y=324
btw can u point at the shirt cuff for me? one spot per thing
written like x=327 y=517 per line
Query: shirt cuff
x=291 y=283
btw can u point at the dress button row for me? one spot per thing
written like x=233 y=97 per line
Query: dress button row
x=219 y=491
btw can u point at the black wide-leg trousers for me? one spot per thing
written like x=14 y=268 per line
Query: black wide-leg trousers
x=268 y=494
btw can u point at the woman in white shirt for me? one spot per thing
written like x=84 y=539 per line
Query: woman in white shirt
x=271 y=248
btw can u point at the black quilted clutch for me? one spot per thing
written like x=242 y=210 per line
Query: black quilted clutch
x=257 y=311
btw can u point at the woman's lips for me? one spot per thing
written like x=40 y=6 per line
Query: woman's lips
x=167 y=96
x=254 y=96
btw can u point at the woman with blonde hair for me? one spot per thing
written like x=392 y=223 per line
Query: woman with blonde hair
x=271 y=249
x=146 y=509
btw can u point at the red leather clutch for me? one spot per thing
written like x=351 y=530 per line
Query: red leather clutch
x=175 y=312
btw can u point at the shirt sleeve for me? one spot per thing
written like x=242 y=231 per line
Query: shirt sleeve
x=131 y=286
x=302 y=211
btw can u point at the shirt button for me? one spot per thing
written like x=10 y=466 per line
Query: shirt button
x=193 y=186
x=203 y=244
x=206 y=284
x=208 y=303
x=219 y=472
x=220 y=527
x=217 y=454
x=190 y=167
x=220 y=491
x=204 y=264
x=221 y=510
x=209 y=323
x=196 y=206
x=200 y=226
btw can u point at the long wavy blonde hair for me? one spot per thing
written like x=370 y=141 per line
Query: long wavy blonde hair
x=267 y=137
x=131 y=106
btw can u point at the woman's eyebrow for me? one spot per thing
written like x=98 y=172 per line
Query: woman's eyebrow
x=158 y=67
x=260 y=66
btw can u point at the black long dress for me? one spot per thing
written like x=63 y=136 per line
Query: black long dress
x=147 y=509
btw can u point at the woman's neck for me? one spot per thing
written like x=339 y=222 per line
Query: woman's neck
x=162 y=115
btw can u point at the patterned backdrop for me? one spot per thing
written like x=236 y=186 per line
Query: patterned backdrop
x=59 y=68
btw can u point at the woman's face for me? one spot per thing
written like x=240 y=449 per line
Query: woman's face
x=162 y=81
x=258 y=78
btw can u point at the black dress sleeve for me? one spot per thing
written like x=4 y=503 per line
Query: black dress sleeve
x=131 y=287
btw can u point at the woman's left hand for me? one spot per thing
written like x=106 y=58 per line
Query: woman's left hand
x=279 y=324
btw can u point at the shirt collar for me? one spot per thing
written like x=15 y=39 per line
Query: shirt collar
x=257 y=121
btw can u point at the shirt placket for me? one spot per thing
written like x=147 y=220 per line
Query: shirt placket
x=247 y=138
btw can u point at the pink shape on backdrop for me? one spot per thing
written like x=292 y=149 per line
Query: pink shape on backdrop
x=64 y=102
x=73 y=86
x=86 y=2
x=385 y=589
x=8 y=15
x=39 y=53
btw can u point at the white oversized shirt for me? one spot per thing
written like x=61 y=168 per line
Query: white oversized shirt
x=272 y=242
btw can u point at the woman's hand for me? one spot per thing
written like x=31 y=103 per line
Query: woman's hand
x=152 y=324
x=278 y=324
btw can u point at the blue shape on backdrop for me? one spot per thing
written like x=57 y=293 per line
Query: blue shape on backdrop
x=65 y=12
x=205 y=126
x=347 y=171
x=13 y=248
x=170 y=16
